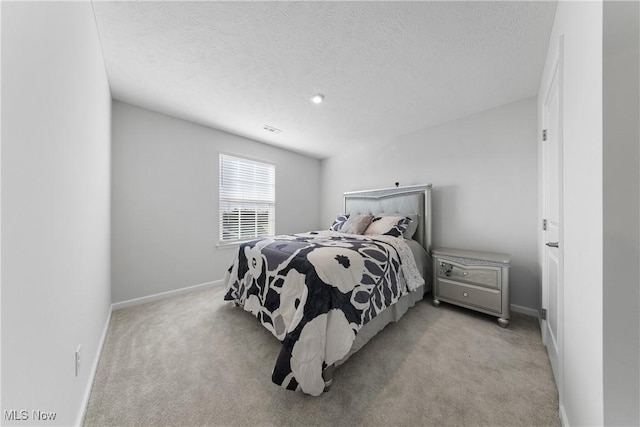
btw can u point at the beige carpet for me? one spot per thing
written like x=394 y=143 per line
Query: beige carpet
x=196 y=360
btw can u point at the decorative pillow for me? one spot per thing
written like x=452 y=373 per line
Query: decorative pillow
x=356 y=224
x=338 y=223
x=413 y=225
x=389 y=225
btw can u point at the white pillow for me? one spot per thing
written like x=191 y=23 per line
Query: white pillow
x=389 y=225
x=411 y=228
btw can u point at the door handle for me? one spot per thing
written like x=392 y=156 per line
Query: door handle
x=552 y=244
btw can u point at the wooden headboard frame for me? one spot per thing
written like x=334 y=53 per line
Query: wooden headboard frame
x=413 y=199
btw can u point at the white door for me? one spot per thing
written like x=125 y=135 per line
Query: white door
x=552 y=286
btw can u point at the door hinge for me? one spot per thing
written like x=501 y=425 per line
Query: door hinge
x=544 y=134
x=544 y=224
x=544 y=314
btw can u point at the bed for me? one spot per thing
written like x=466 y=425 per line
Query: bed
x=325 y=294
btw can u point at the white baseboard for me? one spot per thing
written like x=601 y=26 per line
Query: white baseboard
x=92 y=372
x=524 y=310
x=117 y=306
x=563 y=416
x=164 y=295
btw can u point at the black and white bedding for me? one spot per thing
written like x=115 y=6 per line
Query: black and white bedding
x=314 y=291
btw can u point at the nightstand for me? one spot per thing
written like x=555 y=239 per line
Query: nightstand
x=472 y=279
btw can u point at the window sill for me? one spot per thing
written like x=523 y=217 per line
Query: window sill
x=231 y=245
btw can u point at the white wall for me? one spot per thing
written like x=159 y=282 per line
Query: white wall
x=581 y=386
x=165 y=200
x=484 y=174
x=56 y=110
x=621 y=177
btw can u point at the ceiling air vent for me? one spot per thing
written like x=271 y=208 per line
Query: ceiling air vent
x=271 y=129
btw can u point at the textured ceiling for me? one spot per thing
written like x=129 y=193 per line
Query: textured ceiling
x=386 y=68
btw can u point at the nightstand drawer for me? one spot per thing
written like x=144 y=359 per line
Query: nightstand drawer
x=488 y=299
x=489 y=277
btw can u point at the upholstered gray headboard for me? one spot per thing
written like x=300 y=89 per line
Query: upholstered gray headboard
x=413 y=199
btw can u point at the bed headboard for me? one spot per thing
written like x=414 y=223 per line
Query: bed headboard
x=413 y=199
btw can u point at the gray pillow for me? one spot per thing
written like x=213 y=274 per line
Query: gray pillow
x=356 y=224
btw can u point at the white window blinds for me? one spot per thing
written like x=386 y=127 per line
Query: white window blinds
x=247 y=199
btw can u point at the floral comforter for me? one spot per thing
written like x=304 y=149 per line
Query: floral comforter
x=315 y=291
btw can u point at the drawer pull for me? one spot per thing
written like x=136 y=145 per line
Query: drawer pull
x=465 y=294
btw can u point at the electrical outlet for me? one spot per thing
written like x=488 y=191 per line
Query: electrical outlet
x=78 y=359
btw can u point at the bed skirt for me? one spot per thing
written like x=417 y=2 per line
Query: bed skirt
x=375 y=325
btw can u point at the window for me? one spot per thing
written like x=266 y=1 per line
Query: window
x=247 y=199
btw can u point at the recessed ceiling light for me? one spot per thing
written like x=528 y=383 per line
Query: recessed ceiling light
x=317 y=98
